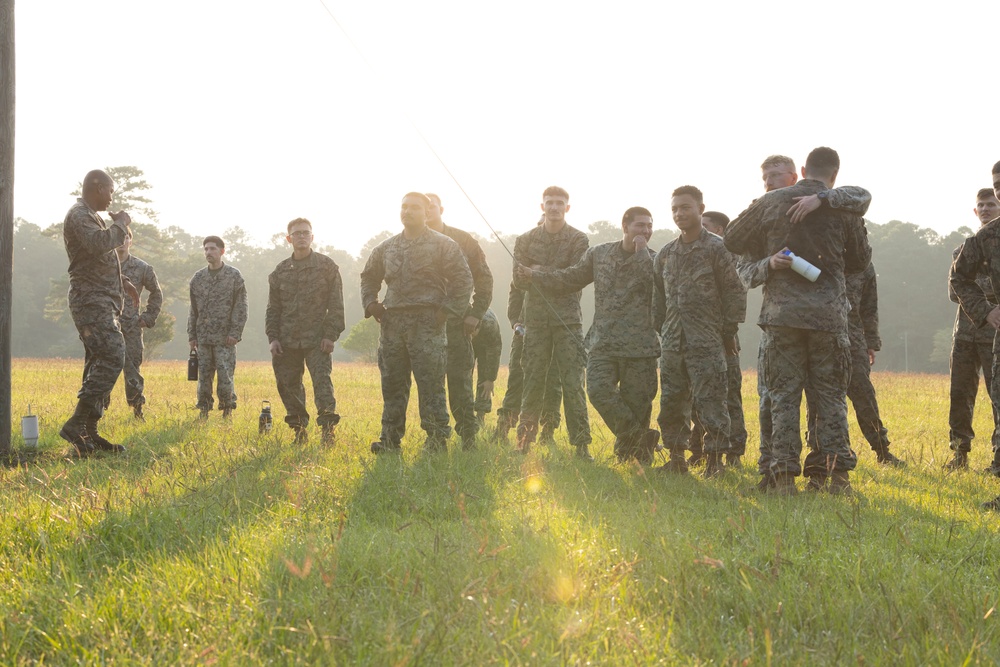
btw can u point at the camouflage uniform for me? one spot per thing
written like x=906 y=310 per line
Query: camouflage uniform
x=218 y=310
x=754 y=274
x=621 y=344
x=971 y=350
x=143 y=277
x=427 y=280
x=510 y=410
x=805 y=341
x=698 y=303
x=461 y=357
x=96 y=298
x=553 y=333
x=734 y=403
x=979 y=258
x=862 y=329
x=305 y=305
x=486 y=345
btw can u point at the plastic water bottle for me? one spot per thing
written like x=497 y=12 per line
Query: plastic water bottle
x=264 y=423
x=803 y=267
x=518 y=329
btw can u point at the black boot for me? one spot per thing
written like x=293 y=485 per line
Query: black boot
x=74 y=431
x=99 y=442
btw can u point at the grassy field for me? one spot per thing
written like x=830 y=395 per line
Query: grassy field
x=207 y=544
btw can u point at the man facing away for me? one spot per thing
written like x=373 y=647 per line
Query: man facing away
x=622 y=346
x=143 y=277
x=216 y=318
x=96 y=297
x=461 y=356
x=805 y=340
x=304 y=319
x=553 y=325
x=971 y=350
x=427 y=281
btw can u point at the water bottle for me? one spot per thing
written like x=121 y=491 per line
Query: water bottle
x=29 y=429
x=518 y=329
x=802 y=267
x=264 y=423
x=193 y=366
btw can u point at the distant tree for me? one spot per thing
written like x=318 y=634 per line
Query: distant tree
x=129 y=189
x=363 y=340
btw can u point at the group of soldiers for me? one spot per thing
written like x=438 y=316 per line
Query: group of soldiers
x=677 y=310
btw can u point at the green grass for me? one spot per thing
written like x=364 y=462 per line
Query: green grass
x=207 y=544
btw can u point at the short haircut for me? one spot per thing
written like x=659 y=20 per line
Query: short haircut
x=633 y=212
x=823 y=161
x=421 y=196
x=214 y=239
x=777 y=161
x=299 y=221
x=721 y=219
x=431 y=195
x=555 y=191
x=689 y=190
x=96 y=177
x=996 y=168
x=985 y=193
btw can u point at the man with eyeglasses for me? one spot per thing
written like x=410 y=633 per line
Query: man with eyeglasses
x=304 y=319
x=97 y=292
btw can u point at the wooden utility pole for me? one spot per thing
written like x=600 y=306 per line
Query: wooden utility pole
x=6 y=212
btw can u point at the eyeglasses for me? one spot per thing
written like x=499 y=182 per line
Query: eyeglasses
x=301 y=235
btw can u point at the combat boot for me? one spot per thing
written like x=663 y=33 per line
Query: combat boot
x=379 y=447
x=784 y=485
x=766 y=483
x=583 y=453
x=676 y=464
x=959 y=461
x=435 y=444
x=203 y=415
x=227 y=413
x=74 y=431
x=714 y=465
x=99 y=442
x=817 y=484
x=887 y=458
x=526 y=433
x=548 y=435
x=504 y=425
x=646 y=446
x=468 y=443
x=992 y=505
x=137 y=411
x=734 y=460
x=697 y=456
x=329 y=436
x=840 y=483
x=301 y=435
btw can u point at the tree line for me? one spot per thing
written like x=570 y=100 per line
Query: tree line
x=915 y=314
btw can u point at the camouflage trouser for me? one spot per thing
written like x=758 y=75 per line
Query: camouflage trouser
x=622 y=389
x=134 y=383
x=696 y=379
x=764 y=416
x=967 y=359
x=411 y=340
x=461 y=361
x=561 y=347
x=484 y=398
x=794 y=359
x=289 y=368
x=104 y=356
x=510 y=410
x=734 y=402
x=212 y=360
x=862 y=395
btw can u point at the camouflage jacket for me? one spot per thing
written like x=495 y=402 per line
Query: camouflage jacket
x=305 y=302
x=143 y=277
x=965 y=330
x=95 y=277
x=218 y=306
x=487 y=345
x=847 y=198
x=862 y=321
x=550 y=251
x=515 y=304
x=482 y=277
x=833 y=240
x=623 y=298
x=428 y=271
x=698 y=300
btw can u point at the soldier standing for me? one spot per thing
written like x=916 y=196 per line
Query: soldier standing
x=553 y=325
x=697 y=306
x=427 y=281
x=805 y=340
x=142 y=276
x=304 y=319
x=461 y=357
x=215 y=324
x=486 y=345
x=96 y=297
x=971 y=350
x=622 y=346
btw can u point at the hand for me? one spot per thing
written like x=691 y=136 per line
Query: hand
x=640 y=243
x=276 y=348
x=524 y=273
x=133 y=293
x=732 y=347
x=231 y=340
x=325 y=346
x=142 y=324
x=780 y=260
x=471 y=324
x=376 y=310
x=193 y=344
x=994 y=318
x=487 y=387
x=121 y=216
x=802 y=207
x=871 y=357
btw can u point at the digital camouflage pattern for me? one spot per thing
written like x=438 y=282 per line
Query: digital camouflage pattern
x=552 y=252
x=142 y=275
x=487 y=346
x=216 y=360
x=482 y=277
x=218 y=306
x=289 y=367
x=622 y=390
x=510 y=409
x=734 y=404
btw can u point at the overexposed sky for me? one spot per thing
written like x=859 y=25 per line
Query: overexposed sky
x=252 y=113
